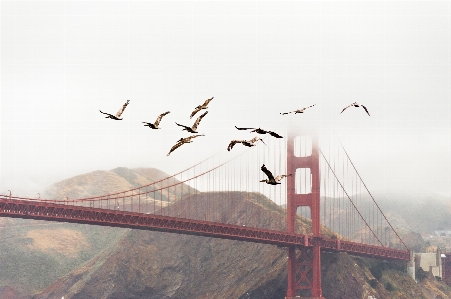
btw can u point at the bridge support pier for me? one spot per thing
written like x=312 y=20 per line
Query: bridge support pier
x=304 y=273
x=304 y=268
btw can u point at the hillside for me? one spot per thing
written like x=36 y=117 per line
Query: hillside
x=147 y=264
x=33 y=254
x=51 y=260
x=116 y=180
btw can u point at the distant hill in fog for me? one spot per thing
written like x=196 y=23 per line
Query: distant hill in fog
x=419 y=213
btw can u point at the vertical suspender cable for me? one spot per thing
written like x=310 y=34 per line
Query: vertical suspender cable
x=280 y=190
x=339 y=205
x=334 y=202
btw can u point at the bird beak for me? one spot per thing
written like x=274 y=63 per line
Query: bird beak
x=263 y=141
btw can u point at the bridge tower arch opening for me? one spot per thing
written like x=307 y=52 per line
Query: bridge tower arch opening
x=303 y=190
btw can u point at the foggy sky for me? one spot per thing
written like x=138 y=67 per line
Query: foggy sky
x=62 y=61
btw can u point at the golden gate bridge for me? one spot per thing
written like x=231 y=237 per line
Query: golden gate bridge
x=323 y=206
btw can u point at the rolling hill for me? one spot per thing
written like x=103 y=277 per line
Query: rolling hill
x=50 y=260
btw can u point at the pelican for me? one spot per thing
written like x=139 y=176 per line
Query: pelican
x=261 y=131
x=182 y=141
x=200 y=107
x=156 y=123
x=271 y=180
x=118 y=114
x=355 y=105
x=298 y=111
x=196 y=123
x=248 y=143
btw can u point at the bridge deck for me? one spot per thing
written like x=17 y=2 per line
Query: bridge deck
x=40 y=210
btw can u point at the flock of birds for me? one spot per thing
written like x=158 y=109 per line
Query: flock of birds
x=249 y=143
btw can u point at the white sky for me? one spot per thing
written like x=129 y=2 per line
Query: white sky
x=62 y=61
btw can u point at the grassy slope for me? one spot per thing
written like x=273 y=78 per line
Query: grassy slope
x=29 y=263
x=139 y=263
x=33 y=254
x=163 y=265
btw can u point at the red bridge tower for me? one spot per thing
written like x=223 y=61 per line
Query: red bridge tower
x=304 y=268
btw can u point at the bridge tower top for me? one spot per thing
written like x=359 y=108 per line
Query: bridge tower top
x=303 y=154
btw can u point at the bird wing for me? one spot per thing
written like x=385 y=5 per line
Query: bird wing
x=365 y=109
x=193 y=136
x=198 y=108
x=280 y=177
x=157 y=121
x=298 y=110
x=182 y=126
x=303 y=109
x=267 y=172
x=111 y=116
x=259 y=131
x=274 y=134
x=232 y=143
x=119 y=113
x=196 y=123
x=255 y=139
x=105 y=113
x=188 y=139
x=176 y=146
x=345 y=108
x=205 y=104
x=244 y=128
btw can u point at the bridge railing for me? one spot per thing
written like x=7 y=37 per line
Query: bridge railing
x=226 y=188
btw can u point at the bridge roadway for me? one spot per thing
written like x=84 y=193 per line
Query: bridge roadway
x=41 y=210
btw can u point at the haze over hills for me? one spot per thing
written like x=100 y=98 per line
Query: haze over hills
x=106 y=182
x=51 y=260
x=421 y=213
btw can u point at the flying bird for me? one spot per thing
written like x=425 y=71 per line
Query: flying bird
x=298 y=111
x=196 y=123
x=200 y=107
x=355 y=105
x=182 y=141
x=247 y=143
x=118 y=114
x=261 y=131
x=156 y=123
x=271 y=180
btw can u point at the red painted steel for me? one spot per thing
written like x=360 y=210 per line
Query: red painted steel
x=304 y=264
x=40 y=210
x=311 y=200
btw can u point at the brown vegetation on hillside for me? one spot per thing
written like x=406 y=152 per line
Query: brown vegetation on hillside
x=120 y=263
x=62 y=240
